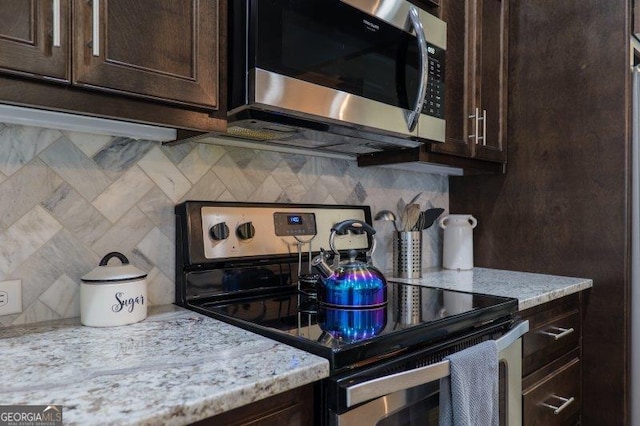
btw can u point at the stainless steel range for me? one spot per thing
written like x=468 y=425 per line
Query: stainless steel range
x=249 y=264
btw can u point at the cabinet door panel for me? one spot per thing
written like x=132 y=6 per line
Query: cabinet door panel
x=491 y=77
x=456 y=98
x=26 y=38
x=164 y=50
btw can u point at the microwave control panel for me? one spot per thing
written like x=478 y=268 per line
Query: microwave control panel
x=434 y=99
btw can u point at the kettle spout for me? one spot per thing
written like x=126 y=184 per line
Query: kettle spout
x=320 y=263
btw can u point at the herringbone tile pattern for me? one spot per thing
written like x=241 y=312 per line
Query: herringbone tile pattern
x=67 y=198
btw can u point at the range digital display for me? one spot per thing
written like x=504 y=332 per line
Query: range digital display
x=295 y=220
x=292 y=223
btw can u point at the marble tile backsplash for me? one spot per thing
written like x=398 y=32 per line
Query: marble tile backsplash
x=67 y=199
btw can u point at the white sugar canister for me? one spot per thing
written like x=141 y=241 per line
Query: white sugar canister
x=113 y=295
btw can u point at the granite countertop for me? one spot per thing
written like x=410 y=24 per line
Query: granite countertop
x=530 y=289
x=175 y=367
x=178 y=366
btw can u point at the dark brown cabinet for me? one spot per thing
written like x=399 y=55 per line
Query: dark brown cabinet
x=551 y=369
x=476 y=79
x=164 y=50
x=34 y=38
x=290 y=408
x=140 y=60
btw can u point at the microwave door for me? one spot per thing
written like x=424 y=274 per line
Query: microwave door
x=336 y=62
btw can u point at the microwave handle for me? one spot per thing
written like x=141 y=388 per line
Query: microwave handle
x=413 y=116
x=381 y=386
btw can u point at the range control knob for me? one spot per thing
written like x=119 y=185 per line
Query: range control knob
x=245 y=231
x=219 y=231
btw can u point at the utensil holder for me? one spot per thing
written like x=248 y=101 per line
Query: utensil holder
x=407 y=254
x=409 y=304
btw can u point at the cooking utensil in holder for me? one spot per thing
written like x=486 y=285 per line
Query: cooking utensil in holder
x=407 y=254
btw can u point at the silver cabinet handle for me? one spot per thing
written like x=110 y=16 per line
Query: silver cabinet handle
x=95 y=28
x=484 y=127
x=56 y=23
x=557 y=409
x=556 y=336
x=476 y=117
x=476 y=135
x=413 y=116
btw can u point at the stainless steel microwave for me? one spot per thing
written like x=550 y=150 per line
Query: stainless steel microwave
x=352 y=76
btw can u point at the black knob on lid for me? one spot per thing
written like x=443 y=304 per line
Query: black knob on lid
x=219 y=231
x=245 y=231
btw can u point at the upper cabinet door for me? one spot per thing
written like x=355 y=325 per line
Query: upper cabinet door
x=457 y=93
x=164 y=50
x=34 y=38
x=492 y=38
x=476 y=79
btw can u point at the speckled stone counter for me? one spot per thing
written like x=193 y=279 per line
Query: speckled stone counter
x=174 y=368
x=530 y=289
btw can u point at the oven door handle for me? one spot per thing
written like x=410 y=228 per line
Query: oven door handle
x=381 y=386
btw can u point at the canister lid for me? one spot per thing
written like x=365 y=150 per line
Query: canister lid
x=109 y=274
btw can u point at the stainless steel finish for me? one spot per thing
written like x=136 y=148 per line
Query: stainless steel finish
x=413 y=116
x=556 y=336
x=350 y=125
x=635 y=237
x=484 y=127
x=407 y=254
x=558 y=409
x=512 y=336
x=510 y=357
x=265 y=242
x=476 y=122
x=431 y=128
x=95 y=29
x=395 y=12
x=408 y=304
x=56 y=23
x=278 y=93
x=372 y=412
x=396 y=382
x=387 y=215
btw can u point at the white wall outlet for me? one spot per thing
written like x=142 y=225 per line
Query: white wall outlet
x=10 y=297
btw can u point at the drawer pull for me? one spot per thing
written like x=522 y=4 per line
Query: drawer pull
x=565 y=403
x=556 y=336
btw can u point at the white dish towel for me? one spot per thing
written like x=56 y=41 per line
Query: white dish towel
x=469 y=395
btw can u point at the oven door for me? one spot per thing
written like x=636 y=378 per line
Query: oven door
x=412 y=397
x=376 y=64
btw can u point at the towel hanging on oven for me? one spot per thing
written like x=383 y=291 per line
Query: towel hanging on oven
x=469 y=395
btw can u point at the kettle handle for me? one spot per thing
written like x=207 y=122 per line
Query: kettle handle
x=356 y=226
x=341 y=228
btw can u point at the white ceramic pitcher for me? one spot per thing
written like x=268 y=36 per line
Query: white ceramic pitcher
x=458 y=241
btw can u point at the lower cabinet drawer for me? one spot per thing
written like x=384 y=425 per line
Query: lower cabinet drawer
x=556 y=399
x=551 y=335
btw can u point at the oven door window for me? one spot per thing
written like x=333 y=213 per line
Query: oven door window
x=414 y=406
x=422 y=412
x=332 y=44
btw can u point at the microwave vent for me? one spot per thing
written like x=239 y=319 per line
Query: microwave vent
x=257 y=134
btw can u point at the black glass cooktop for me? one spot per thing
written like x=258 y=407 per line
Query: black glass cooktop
x=415 y=316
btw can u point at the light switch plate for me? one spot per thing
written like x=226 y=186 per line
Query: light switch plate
x=10 y=297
